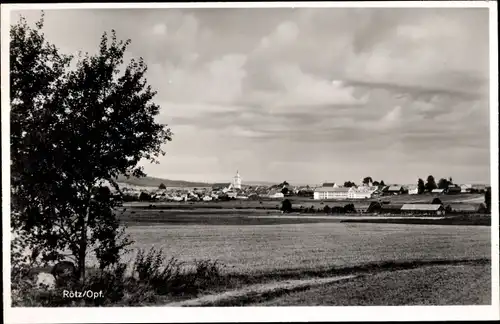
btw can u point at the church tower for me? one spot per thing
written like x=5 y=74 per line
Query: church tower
x=237 y=181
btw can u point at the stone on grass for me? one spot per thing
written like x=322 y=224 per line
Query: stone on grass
x=45 y=280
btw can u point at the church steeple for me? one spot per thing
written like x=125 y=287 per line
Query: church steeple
x=237 y=180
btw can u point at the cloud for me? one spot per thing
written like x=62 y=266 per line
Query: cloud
x=160 y=29
x=311 y=88
x=217 y=81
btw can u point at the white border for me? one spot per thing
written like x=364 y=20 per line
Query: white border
x=253 y=314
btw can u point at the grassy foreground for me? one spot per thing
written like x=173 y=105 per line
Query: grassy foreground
x=160 y=286
x=435 y=285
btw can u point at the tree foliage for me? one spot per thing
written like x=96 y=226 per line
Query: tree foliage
x=443 y=183
x=72 y=129
x=349 y=184
x=487 y=199
x=421 y=186
x=367 y=180
x=162 y=186
x=436 y=201
x=286 y=206
x=349 y=208
x=431 y=183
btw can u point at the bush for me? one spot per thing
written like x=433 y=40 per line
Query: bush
x=144 y=196
x=349 y=208
x=327 y=209
x=152 y=276
x=286 y=206
x=172 y=277
x=436 y=201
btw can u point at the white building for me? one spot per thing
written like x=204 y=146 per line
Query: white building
x=237 y=181
x=332 y=193
x=232 y=194
x=465 y=188
x=275 y=194
x=363 y=192
x=412 y=189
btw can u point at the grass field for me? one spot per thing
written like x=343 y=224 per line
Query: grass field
x=434 y=285
x=256 y=248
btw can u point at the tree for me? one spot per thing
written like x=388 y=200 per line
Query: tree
x=286 y=206
x=144 y=196
x=163 y=187
x=349 y=184
x=382 y=183
x=421 y=186
x=327 y=209
x=376 y=183
x=367 y=180
x=443 y=183
x=436 y=201
x=349 y=208
x=71 y=130
x=285 y=191
x=431 y=183
x=487 y=199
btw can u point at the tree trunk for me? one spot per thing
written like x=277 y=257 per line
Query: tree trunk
x=82 y=252
x=83 y=241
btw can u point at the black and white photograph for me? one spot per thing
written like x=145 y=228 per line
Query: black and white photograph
x=211 y=158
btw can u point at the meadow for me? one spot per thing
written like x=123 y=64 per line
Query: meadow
x=263 y=248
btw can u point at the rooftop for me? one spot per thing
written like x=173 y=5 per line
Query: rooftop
x=429 y=207
x=332 y=189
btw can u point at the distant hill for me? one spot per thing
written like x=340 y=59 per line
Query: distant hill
x=258 y=183
x=155 y=182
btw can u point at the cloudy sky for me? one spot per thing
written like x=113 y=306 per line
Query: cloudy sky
x=307 y=95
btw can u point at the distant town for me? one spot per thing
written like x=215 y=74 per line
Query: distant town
x=236 y=189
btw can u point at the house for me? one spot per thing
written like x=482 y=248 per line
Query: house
x=437 y=191
x=425 y=209
x=395 y=190
x=275 y=194
x=224 y=187
x=412 y=189
x=466 y=188
x=363 y=192
x=331 y=193
x=231 y=194
x=461 y=208
x=390 y=208
x=362 y=207
x=453 y=190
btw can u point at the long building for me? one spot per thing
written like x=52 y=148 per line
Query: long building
x=428 y=209
x=331 y=193
x=363 y=192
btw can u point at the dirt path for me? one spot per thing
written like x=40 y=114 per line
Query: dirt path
x=259 y=289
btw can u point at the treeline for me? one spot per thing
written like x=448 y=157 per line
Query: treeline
x=286 y=207
x=366 y=181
